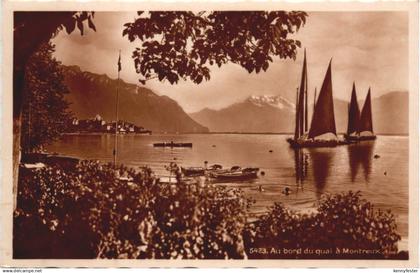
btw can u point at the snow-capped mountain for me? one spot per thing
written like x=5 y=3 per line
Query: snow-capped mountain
x=271 y=100
x=258 y=114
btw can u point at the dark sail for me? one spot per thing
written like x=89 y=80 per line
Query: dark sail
x=323 y=120
x=354 y=113
x=300 y=106
x=366 y=116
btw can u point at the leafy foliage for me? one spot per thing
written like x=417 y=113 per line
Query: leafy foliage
x=348 y=220
x=84 y=212
x=45 y=113
x=117 y=219
x=30 y=31
x=342 y=221
x=181 y=44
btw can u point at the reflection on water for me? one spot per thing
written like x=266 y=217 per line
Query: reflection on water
x=360 y=154
x=307 y=172
x=301 y=168
x=320 y=161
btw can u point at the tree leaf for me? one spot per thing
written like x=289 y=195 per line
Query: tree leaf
x=90 y=24
x=80 y=25
x=70 y=26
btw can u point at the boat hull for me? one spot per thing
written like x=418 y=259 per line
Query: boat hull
x=353 y=139
x=173 y=145
x=193 y=171
x=235 y=173
x=362 y=138
x=236 y=176
x=313 y=143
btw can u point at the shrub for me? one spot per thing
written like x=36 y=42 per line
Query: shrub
x=349 y=221
x=344 y=226
x=86 y=213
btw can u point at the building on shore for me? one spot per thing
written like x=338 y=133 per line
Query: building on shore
x=99 y=125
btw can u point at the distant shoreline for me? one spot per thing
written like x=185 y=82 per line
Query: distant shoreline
x=100 y=134
x=267 y=133
x=205 y=133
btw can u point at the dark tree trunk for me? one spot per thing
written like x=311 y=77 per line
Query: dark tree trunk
x=16 y=157
x=18 y=87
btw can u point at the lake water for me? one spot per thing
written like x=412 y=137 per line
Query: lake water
x=308 y=172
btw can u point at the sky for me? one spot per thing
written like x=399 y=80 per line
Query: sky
x=370 y=48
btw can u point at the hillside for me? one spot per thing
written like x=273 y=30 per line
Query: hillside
x=92 y=94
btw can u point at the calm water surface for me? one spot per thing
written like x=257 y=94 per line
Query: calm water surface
x=308 y=172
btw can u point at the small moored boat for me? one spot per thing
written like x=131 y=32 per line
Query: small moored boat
x=173 y=144
x=215 y=167
x=192 y=171
x=237 y=174
x=214 y=172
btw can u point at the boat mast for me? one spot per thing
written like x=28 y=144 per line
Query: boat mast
x=306 y=95
x=116 y=112
x=302 y=97
x=314 y=106
x=297 y=114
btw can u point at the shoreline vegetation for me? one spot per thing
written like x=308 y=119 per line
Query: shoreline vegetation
x=207 y=133
x=78 y=209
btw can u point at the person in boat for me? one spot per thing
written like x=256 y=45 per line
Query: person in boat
x=286 y=191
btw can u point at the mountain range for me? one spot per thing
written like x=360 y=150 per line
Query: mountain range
x=92 y=94
x=275 y=114
x=257 y=114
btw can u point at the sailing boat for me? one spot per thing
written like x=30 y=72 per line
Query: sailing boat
x=366 y=128
x=322 y=132
x=354 y=118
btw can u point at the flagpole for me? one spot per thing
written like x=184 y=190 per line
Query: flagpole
x=116 y=113
x=314 y=102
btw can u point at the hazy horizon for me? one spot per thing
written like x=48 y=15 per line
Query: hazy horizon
x=370 y=48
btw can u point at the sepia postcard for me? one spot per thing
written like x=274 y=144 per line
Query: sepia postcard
x=209 y=134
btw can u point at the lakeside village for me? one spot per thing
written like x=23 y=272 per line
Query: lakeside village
x=99 y=125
